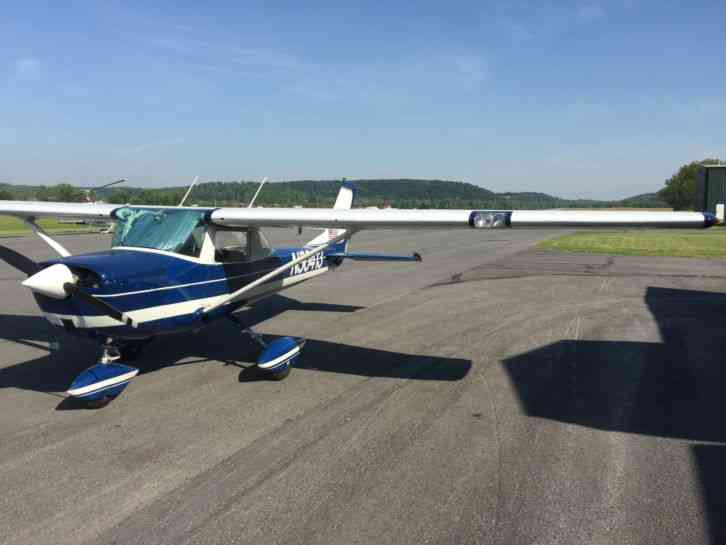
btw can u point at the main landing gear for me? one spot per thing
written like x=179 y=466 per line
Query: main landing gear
x=103 y=382
x=98 y=385
x=278 y=356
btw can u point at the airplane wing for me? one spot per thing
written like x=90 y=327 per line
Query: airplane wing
x=357 y=219
x=64 y=210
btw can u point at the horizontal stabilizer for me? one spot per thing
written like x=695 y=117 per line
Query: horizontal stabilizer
x=358 y=256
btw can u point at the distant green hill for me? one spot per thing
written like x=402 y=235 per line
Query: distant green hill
x=646 y=200
x=399 y=193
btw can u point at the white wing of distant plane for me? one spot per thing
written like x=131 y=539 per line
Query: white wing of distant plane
x=358 y=219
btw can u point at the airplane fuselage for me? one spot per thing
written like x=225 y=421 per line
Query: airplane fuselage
x=164 y=292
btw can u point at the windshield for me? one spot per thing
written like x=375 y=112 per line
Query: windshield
x=169 y=229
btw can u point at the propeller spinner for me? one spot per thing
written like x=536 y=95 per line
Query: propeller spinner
x=59 y=282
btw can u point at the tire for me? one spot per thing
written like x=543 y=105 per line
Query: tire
x=98 y=403
x=281 y=375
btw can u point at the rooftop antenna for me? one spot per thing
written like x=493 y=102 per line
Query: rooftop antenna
x=184 y=198
x=257 y=192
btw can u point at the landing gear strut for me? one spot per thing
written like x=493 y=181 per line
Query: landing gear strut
x=110 y=352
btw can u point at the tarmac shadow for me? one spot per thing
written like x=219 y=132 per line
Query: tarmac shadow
x=668 y=389
x=221 y=341
x=332 y=357
x=671 y=389
x=709 y=461
x=65 y=355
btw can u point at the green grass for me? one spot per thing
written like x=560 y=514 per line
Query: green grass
x=704 y=244
x=11 y=226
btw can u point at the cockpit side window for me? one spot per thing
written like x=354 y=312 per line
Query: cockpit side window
x=193 y=245
x=240 y=245
x=258 y=246
x=230 y=246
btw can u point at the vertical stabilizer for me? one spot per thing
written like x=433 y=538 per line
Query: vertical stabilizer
x=344 y=201
x=346 y=197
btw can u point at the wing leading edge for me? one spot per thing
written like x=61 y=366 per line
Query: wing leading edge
x=64 y=210
x=450 y=219
x=358 y=219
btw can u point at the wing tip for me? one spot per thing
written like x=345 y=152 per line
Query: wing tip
x=709 y=220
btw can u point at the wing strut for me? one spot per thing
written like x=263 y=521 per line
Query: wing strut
x=277 y=272
x=45 y=237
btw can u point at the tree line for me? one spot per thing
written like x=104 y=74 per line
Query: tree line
x=678 y=193
x=680 y=189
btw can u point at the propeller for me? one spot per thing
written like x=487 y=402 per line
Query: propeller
x=59 y=282
x=74 y=290
x=18 y=261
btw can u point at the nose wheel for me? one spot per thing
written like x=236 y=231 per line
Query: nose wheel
x=279 y=375
x=98 y=385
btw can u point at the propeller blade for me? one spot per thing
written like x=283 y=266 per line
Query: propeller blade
x=108 y=310
x=18 y=261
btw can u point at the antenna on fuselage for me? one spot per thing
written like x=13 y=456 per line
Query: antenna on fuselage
x=184 y=198
x=257 y=193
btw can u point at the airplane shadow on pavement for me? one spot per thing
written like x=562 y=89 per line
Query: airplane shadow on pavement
x=53 y=372
x=671 y=389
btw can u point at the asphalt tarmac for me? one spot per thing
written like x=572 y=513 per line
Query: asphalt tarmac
x=494 y=393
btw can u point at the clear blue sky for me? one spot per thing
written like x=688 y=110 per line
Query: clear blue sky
x=579 y=99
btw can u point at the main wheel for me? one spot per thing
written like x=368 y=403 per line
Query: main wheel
x=279 y=356
x=97 y=403
x=279 y=375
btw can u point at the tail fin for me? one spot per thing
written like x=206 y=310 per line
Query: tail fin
x=344 y=201
x=346 y=197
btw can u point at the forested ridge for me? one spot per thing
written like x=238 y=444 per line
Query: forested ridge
x=399 y=193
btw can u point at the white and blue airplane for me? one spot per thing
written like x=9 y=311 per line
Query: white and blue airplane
x=176 y=269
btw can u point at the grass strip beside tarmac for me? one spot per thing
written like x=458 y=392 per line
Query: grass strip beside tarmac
x=703 y=244
x=14 y=227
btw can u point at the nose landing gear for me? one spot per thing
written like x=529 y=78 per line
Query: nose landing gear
x=98 y=385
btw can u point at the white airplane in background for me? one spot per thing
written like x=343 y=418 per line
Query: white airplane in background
x=175 y=269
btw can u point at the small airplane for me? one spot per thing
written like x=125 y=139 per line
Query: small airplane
x=90 y=198
x=176 y=269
